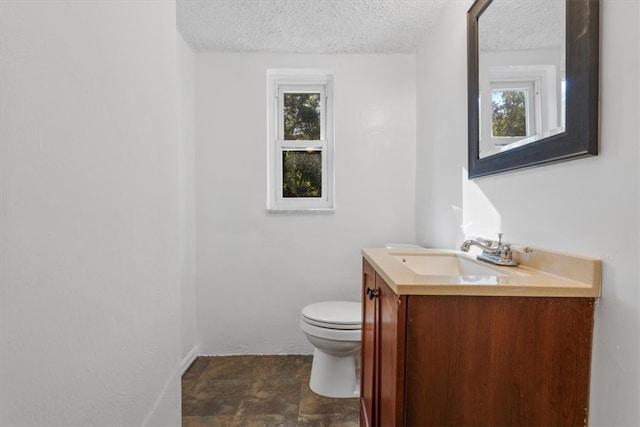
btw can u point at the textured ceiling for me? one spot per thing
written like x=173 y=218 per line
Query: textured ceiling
x=306 y=26
x=522 y=25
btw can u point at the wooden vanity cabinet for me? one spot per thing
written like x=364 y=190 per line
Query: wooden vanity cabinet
x=430 y=360
x=382 y=357
x=368 y=349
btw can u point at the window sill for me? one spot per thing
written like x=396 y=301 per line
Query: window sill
x=311 y=211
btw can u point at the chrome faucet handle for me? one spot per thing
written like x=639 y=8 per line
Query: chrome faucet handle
x=505 y=250
x=499 y=239
x=487 y=242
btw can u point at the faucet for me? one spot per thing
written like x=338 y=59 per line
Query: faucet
x=499 y=254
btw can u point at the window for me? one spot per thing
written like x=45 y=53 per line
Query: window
x=300 y=150
x=513 y=111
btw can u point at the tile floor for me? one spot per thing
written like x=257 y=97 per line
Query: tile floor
x=247 y=391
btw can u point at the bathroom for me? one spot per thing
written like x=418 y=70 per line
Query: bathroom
x=134 y=229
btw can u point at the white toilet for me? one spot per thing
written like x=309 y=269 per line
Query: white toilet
x=334 y=329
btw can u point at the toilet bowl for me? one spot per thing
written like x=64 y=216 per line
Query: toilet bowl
x=334 y=329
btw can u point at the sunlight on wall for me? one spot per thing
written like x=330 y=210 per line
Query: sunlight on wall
x=479 y=217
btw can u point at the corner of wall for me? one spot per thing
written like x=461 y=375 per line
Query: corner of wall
x=189 y=359
x=162 y=413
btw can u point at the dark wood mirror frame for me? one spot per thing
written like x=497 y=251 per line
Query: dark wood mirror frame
x=580 y=138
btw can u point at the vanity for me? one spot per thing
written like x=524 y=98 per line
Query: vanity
x=448 y=340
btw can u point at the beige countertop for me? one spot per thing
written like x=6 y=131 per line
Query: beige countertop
x=541 y=273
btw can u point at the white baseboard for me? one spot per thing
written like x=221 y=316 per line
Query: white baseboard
x=188 y=360
x=166 y=411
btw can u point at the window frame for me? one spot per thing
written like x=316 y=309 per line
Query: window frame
x=299 y=81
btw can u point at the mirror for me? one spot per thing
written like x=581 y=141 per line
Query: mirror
x=532 y=82
x=521 y=73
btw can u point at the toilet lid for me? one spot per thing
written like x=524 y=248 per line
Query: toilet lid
x=334 y=314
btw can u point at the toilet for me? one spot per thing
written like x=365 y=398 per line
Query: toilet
x=334 y=329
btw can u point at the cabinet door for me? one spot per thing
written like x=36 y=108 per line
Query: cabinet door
x=498 y=361
x=391 y=351
x=368 y=349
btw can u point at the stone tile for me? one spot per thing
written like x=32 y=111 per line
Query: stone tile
x=268 y=420
x=247 y=391
x=306 y=369
x=312 y=403
x=274 y=396
x=188 y=388
x=214 y=397
x=328 y=420
x=230 y=367
x=209 y=421
x=275 y=368
x=196 y=368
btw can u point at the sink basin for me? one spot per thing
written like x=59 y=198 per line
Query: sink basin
x=444 y=265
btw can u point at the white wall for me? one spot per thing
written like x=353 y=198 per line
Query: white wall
x=587 y=206
x=89 y=291
x=187 y=212
x=257 y=270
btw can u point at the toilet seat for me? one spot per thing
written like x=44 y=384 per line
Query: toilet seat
x=342 y=315
x=332 y=334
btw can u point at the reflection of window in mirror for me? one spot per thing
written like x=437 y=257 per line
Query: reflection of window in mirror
x=513 y=111
x=510 y=113
x=539 y=99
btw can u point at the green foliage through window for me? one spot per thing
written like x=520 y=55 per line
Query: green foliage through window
x=509 y=113
x=302 y=116
x=301 y=173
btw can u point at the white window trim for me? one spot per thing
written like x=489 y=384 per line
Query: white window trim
x=303 y=81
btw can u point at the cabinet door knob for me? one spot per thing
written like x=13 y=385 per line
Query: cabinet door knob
x=372 y=293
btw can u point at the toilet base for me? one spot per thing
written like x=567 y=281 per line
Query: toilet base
x=334 y=376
